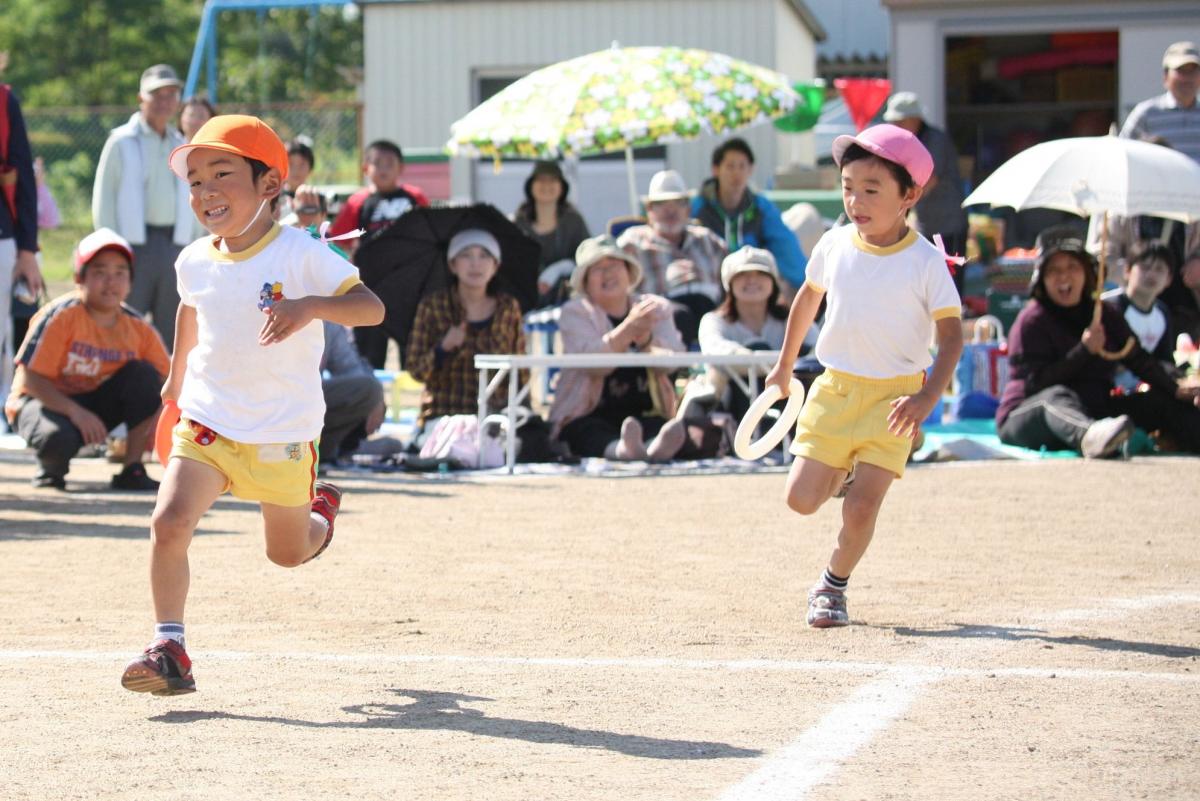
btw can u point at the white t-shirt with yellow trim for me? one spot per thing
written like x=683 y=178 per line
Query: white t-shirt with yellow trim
x=881 y=302
x=243 y=390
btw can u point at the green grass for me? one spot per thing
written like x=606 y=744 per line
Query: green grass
x=58 y=248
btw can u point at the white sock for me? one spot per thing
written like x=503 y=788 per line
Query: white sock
x=169 y=631
x=320 y=519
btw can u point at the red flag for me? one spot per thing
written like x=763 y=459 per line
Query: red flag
x=863 y=97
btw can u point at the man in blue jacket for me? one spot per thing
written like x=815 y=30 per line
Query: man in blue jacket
x=727 y=206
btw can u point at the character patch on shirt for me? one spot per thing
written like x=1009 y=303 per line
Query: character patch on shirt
x=269 y=295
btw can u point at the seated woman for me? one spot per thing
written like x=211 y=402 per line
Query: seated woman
x=611 y=412
x=1062 y=363
x=555 y=224
x=749 y=318
x=453 y=325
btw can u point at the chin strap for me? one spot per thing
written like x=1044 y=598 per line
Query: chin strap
x=953 y=262
x=323 y=234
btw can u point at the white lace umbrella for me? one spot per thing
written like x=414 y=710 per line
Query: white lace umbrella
x=1095 y=175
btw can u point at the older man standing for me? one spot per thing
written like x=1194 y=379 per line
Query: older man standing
x=138 y=196
x=680 y=261
x=1173 y=116
x=939 y=211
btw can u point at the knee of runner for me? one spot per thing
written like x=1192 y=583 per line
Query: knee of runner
x=803 y=502
x=286 y=557
x=170 y=528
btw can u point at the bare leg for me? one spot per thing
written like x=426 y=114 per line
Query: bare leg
x=811 y=483
x=292 y=534
x=629 y=447
x=668 y=442
x=188 y=490
x=859 y=513
x=138 y=441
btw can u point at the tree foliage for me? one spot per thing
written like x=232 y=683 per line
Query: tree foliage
x=91 y=52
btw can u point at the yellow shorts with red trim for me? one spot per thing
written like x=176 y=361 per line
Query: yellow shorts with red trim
x=844 y=419
x=279 y=473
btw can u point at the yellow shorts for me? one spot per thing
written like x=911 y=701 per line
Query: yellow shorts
x=844 y=420
x=278 y=473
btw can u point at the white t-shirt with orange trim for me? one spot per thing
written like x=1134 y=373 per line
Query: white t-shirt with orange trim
x=243 y=390
x=882 y=303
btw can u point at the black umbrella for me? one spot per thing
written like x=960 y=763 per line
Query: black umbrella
x=407 y=260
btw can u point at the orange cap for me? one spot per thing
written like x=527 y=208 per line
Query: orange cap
x=243 y=135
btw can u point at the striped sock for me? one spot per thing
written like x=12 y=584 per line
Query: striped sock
x=834 y=582
x=169 y=631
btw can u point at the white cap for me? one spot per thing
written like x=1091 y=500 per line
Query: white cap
x=98 y=240
x=666 y=185
x=903 y=105
x=473 y=236
x=748 y=259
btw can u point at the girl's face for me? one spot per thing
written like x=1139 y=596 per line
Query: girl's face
x=607 y=279
x=298 y=170
x=191 y=118
x=752 y=287
x=1148 y=278
x=474 y=267
x=1064 y=279
x=874 y=202
x=546 y=189
x=1191 y=274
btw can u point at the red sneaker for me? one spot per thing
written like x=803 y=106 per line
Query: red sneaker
x=164 y=669
x=327 y=501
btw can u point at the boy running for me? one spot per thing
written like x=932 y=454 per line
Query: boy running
x=248 y=386
x=889 y=292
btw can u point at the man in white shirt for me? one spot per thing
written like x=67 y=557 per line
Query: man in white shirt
x=138 y=196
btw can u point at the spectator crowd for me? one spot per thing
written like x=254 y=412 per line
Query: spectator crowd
x=709 y=269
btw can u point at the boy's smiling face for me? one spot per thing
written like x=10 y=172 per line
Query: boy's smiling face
x=225 y=197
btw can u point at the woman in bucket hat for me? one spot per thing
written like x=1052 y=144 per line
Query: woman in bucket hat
x=623 y=412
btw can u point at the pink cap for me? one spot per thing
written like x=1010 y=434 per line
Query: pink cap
x=894 y=144
x=98 y=240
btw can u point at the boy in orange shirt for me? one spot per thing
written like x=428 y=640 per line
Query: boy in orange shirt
x=89 y=363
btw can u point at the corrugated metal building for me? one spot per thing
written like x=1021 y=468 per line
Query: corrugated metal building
x=429 y=62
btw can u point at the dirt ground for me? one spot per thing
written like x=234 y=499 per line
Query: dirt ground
x=1021 y=631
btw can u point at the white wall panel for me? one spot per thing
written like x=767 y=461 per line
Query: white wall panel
x=421 y=58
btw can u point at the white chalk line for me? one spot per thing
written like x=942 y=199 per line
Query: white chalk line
x=790 y=773
x=795 y=769
x=924 y=672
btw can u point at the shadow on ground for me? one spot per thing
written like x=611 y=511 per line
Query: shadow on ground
x=1016 y=634
x=443 y=711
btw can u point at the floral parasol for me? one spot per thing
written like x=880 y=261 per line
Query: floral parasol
x=620 y=99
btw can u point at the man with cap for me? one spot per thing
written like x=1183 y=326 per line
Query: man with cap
x=939 y=211
x=1174 y=115
x=136 y=195
x=680 y=260
x=88 y=364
